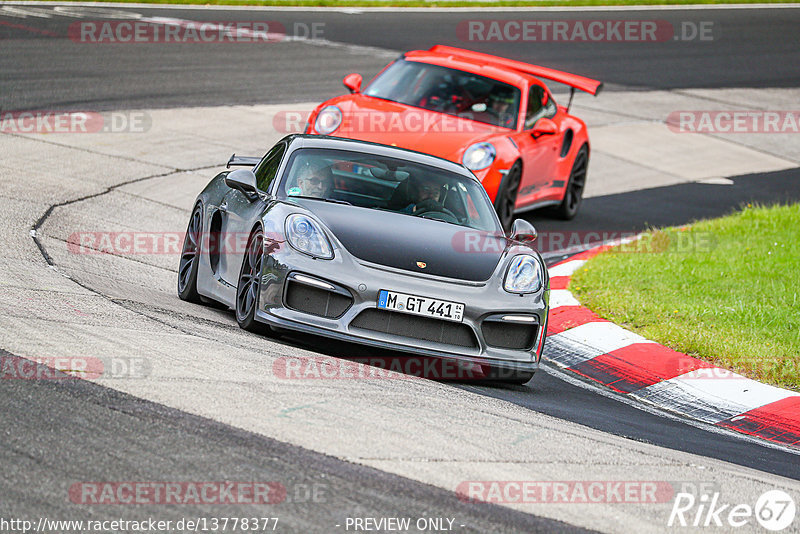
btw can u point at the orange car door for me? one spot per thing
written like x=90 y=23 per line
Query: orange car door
x=539 y=153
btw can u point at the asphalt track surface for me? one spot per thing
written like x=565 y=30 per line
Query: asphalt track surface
x=103 y=434
x=549 y=394
x=746 y=48
x=81 y=416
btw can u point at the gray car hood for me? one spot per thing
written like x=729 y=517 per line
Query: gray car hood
x=401 y=241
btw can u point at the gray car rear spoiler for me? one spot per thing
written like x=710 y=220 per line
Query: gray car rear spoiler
x=243 y=161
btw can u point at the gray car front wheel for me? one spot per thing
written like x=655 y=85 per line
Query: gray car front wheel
x=249 y=286
x=506 y=199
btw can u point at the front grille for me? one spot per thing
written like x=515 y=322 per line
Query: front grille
x=316 y=301
x=509 y=335
x=415 y=327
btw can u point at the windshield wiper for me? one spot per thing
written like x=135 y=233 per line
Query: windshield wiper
x=419 y=216
x=331 y=200
x=439 y=220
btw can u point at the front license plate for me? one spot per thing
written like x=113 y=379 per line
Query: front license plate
x=440 y=309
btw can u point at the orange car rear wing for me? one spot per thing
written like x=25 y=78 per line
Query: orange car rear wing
x=581 y=83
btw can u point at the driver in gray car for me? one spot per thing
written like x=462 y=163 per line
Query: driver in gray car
x=315 y=181
x=425 y=194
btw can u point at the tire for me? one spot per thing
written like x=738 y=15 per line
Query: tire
x=506 y=197
x=249 y=285
x=190 y=258
x=573 y=194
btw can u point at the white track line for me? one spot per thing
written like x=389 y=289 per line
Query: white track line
x=711 y=399
x=566 y=268
x=603 y=336
x=645 y=406
x=562 y=297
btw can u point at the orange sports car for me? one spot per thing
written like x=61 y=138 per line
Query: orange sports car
x=493 y=115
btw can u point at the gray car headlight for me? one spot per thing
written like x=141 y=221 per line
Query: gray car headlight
x=524 y=275
x=478 y=156
x=305 y=235
x=328 y=120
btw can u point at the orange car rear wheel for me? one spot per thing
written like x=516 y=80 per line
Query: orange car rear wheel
x=573 y=194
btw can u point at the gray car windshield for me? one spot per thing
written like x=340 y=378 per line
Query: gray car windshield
x=390 y=184
x=450 y=91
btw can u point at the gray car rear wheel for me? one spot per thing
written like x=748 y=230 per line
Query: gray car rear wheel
x=190 y=258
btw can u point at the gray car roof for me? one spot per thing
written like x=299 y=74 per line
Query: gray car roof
x=324 y=141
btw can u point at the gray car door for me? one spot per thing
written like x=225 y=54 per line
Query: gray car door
x=241 y=215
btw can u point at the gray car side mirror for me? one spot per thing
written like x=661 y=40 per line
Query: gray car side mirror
x=523 y=231
x=244 y=180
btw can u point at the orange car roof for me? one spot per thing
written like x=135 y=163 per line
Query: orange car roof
x=515 y=78
x=501 y=69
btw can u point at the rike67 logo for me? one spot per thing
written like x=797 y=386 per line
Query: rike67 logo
x=774 y=510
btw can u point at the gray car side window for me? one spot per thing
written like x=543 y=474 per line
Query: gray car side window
x=536 y=110
x=268 y=167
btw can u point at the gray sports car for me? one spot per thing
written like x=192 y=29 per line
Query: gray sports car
x=370 y=244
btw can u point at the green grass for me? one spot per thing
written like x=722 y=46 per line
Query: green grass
x=724 y=290
x=455 y=3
